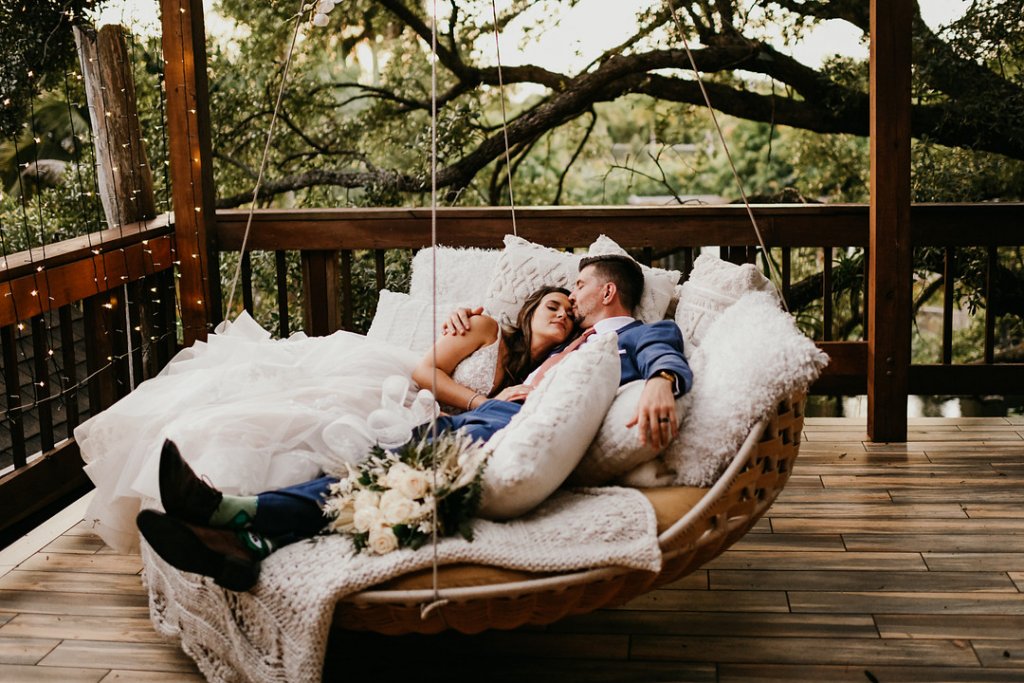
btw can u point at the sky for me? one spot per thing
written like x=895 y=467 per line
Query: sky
x=587 y=29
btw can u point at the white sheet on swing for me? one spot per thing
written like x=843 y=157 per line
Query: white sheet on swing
x=248 y=412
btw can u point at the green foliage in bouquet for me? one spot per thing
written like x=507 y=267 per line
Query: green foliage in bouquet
x=389 y=501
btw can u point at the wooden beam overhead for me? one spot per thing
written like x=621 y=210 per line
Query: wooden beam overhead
x=890 y=263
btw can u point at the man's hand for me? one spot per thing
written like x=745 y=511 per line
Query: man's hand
x=518 y=392
x=459 y=321
x=656 y=414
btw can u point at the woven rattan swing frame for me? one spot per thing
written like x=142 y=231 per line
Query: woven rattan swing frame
x=747 y=488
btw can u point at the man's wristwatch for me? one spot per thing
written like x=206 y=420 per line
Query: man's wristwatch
x=665 y=374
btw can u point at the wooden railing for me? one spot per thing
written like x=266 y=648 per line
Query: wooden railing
x=81 y=323
x=327 y=238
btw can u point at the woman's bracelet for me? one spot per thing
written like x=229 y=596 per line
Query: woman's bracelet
x=469 y=403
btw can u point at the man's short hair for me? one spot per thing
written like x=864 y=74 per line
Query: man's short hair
x=623 y=271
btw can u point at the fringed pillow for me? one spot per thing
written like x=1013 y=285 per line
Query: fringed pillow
x=659 y=284
x=531 y=457
x=616 y=449
x=751 y=357
x=712 y=287
x=522 y=269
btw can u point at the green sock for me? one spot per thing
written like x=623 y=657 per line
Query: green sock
x=257 y=543
x=234 y=512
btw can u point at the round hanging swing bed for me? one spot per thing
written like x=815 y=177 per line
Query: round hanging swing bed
x=695 y=525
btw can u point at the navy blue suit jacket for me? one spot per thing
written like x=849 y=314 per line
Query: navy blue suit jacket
x=644 y=351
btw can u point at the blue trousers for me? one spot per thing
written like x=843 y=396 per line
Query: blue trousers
x=294 y=513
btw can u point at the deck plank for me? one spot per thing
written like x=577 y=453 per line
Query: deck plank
x=744 y=673
x=804 y=650
x=950 y=627
x=898 y=562
x=96 y=654
x=23 y=673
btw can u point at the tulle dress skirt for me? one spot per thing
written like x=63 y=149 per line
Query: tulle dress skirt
x=248 y=412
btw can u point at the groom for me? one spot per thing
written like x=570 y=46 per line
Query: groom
x=225 y=537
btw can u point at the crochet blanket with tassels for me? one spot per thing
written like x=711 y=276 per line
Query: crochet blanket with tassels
x=278 y=631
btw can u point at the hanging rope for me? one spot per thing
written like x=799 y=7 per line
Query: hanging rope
x=504 y=119
x=725 y=146
x=437 y=602
x=266 y=151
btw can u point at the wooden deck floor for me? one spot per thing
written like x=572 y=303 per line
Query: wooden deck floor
x=878 y=563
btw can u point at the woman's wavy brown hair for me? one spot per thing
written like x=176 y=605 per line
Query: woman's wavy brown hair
x=518 y=364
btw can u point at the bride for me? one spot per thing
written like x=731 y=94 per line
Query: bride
x=251 y=413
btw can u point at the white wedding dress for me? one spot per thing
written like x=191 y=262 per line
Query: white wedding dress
x=251 y=413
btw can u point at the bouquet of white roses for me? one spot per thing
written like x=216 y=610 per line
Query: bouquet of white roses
x=389 y=500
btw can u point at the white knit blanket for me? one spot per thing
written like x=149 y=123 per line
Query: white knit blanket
x=278 y=631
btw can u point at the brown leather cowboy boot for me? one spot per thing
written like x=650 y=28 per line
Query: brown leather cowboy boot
x=183 y=494
x=220 y=554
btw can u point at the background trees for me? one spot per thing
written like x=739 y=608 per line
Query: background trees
x=354 y=125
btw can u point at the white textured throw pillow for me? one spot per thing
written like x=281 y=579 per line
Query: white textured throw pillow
x=462 y=273
x=616 y=449
x=751 y=357
x=659 y=284
x=712 y=287
x=408 y=322
x=533 y=455
x=522 y=269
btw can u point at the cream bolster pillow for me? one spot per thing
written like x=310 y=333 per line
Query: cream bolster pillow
x=532 y=456
x=463 y=274
x=616 y=449
x=753 y=356
x=409 y=322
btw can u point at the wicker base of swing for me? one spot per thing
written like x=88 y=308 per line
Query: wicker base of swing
x=703 y=523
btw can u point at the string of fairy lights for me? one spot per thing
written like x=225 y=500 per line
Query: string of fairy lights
x=82 y=191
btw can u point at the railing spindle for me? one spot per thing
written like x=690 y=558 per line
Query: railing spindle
x=347 y=303
x=787 y=273
x=281 y=276
x=826 y=293
x=990 y=316
x=41 y=381
x=12 y=393
x=136 y=308
x=948 y=285
x=69 y=379
x=246 y=282
x=378 y=257
x=99 y=351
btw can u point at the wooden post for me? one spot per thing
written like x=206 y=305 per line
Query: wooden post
x=122 y=168
x=125 y=183
x=191 y=162
x=890 y=265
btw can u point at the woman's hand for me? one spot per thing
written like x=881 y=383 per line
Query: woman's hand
x=518 y=392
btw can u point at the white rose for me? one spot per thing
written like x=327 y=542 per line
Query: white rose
x=415 y=484
x=344 y=517
x=366 y=499
x=395 y=507
x=367 y=519
x=397 y=474
x=320 y=20
x=382 y=540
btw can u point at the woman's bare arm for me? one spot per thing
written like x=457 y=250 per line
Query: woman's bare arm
x=449 y=351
